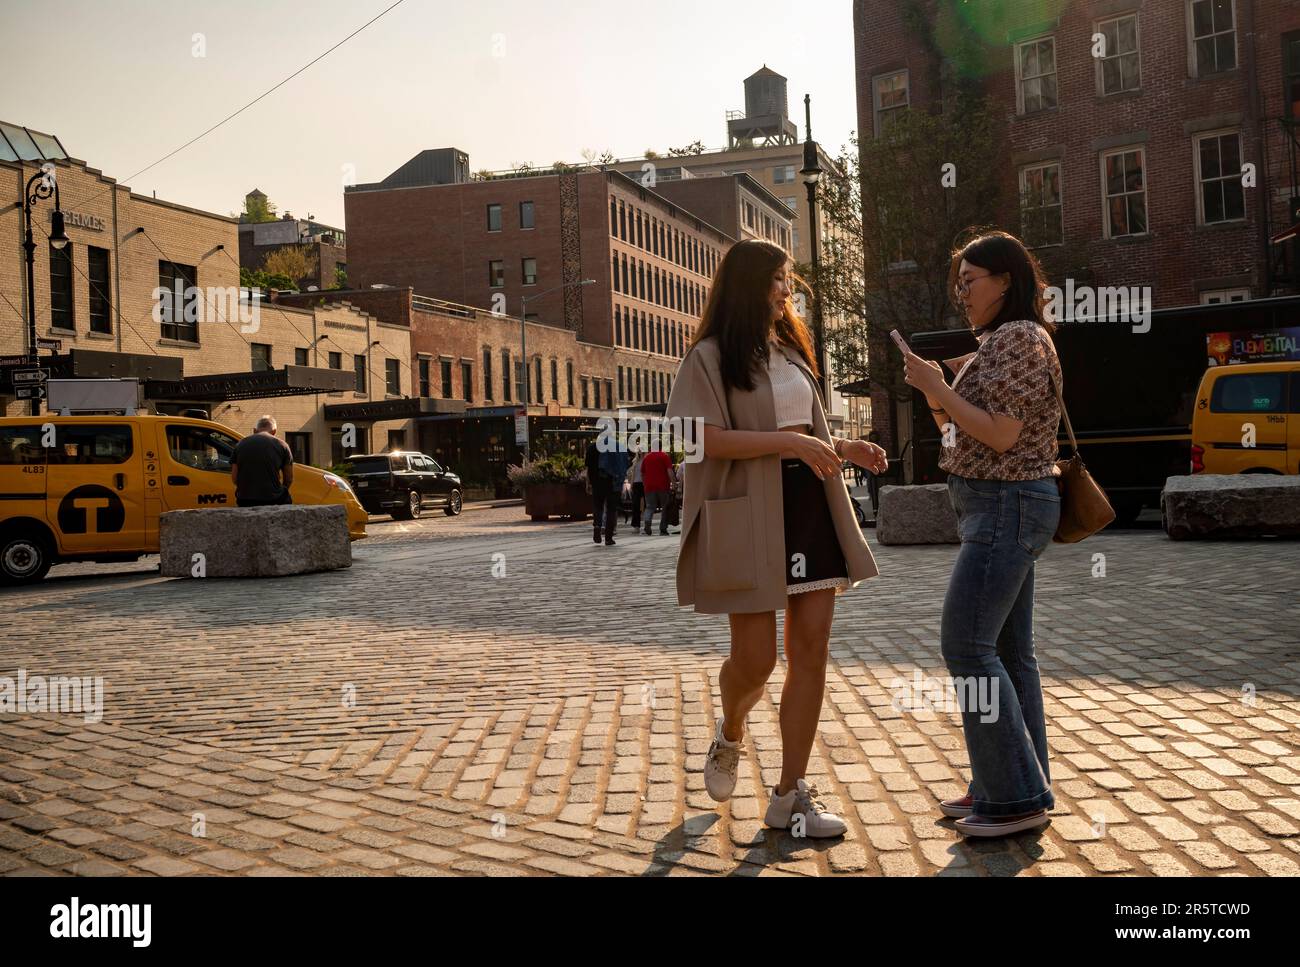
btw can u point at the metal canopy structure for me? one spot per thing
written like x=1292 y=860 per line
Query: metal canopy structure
x=403 y=409
x=222 y=387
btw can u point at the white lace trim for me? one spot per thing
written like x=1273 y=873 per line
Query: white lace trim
x=818 y=585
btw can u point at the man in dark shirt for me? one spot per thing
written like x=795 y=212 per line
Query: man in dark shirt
x=261 y=468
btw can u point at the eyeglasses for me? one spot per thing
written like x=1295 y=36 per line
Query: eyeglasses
x=963 y=285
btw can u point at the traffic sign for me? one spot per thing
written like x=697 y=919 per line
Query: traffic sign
x=30 y=376
x=54 y=344
x=30 y=392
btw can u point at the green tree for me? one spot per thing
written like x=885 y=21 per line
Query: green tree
x=259 y=209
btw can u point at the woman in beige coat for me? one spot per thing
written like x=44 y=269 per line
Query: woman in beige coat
x=767 y=523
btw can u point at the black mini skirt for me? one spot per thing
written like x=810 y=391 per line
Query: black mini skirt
x=813 y=559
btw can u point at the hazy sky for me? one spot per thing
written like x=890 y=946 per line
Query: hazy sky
x=507 y=81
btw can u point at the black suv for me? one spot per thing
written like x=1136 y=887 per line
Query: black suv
x=403 y=483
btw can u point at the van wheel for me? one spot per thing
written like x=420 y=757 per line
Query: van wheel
x=453 y=504
x=411 y=509
x=25 y=557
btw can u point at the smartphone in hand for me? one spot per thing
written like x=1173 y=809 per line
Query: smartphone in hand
x=899 y=341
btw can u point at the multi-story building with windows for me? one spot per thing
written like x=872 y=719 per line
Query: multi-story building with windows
x=1157 y=138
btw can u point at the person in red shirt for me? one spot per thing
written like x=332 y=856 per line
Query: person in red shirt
x=655 y=477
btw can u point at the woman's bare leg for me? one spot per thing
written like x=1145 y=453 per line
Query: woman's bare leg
x=808 y=617
x=753 y=656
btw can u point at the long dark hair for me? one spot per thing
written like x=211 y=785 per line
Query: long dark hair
x=999 y=252
x=739 y=314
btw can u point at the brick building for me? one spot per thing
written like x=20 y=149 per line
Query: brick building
x=213 y=348
x=1130 y=152
x=493 y=241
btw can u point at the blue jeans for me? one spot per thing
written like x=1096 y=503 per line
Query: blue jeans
x=987 y=637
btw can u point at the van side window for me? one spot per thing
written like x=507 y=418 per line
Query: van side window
x=91 y=443
x=20 y=444
x=200 y=447
x=1249 y=393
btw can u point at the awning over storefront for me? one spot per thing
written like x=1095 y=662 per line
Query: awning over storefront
x=289 y=381
x=419 y=407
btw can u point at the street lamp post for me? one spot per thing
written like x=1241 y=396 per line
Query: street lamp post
x=34 y=192
x=812 y=172
x=523 y=346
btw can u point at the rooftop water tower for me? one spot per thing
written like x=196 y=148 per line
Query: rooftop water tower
x=765 y=120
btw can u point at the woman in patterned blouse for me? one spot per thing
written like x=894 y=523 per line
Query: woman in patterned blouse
x=999 y=422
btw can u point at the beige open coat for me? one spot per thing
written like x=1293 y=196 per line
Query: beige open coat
x=732 y=554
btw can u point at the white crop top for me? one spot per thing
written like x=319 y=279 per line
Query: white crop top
x=791 y=393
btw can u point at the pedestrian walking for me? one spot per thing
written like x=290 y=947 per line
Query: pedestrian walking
x=261 y=467
x=638 y=486
x=612 y=467
x=1001 y=482
x=656 y=479
x=604 y=496
x=767 y=523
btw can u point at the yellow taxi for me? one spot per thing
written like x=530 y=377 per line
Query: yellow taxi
x=91 y=488
x=1247 y=419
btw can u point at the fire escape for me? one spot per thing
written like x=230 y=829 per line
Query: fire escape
x=1284 y=245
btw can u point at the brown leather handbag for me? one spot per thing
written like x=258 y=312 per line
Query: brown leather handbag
x=1084 y=507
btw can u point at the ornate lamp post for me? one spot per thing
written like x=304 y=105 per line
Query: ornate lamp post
x=812 y=173
x=41 y=185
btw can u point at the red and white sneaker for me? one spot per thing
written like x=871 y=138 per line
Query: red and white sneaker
x=957 y=808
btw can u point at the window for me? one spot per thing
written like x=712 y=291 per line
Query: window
x=361 y=444
x=299 y=446
x=92 y=443
x=505 y=375
x=487 y=374
x=621 y=392
x=1041 y=222
x=301 y=357
x=783 y=175
x=21 y=444
x=61 y=300
x=100 y=301
x=423 y=368
x=555 y=380
x=336 y=360
x=1036 y=74
x=519 y=382
x=1126 y=192
x=494 y=218
x=392 y=377
x=526 y=218
x=890 y=96
x=614 y=262
x=359 y=364
x=200 y=448
x=529 y=271
x=444 y=372
x=1249 y=393
x=1213 y=36
x=496 y=273
x=179 y=301
x=1211 y=297
x=1119 y=69
x=467 y=381
x=537 y=380
x=791 y=203
x=568 y=377
x=261 y=357
x=585 y=400
x=1221 y=198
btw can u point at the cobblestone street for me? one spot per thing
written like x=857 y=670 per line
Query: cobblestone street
x=417 y=715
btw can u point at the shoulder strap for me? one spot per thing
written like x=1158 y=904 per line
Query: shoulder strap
x=1065 y=414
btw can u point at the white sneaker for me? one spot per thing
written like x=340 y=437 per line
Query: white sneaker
x=783 y=813
x=720 y=766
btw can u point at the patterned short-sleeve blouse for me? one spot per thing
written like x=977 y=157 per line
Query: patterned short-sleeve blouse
x=1011 y=376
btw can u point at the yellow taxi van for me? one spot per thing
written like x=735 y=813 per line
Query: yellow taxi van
x=1247 y=419
x=91 y=488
